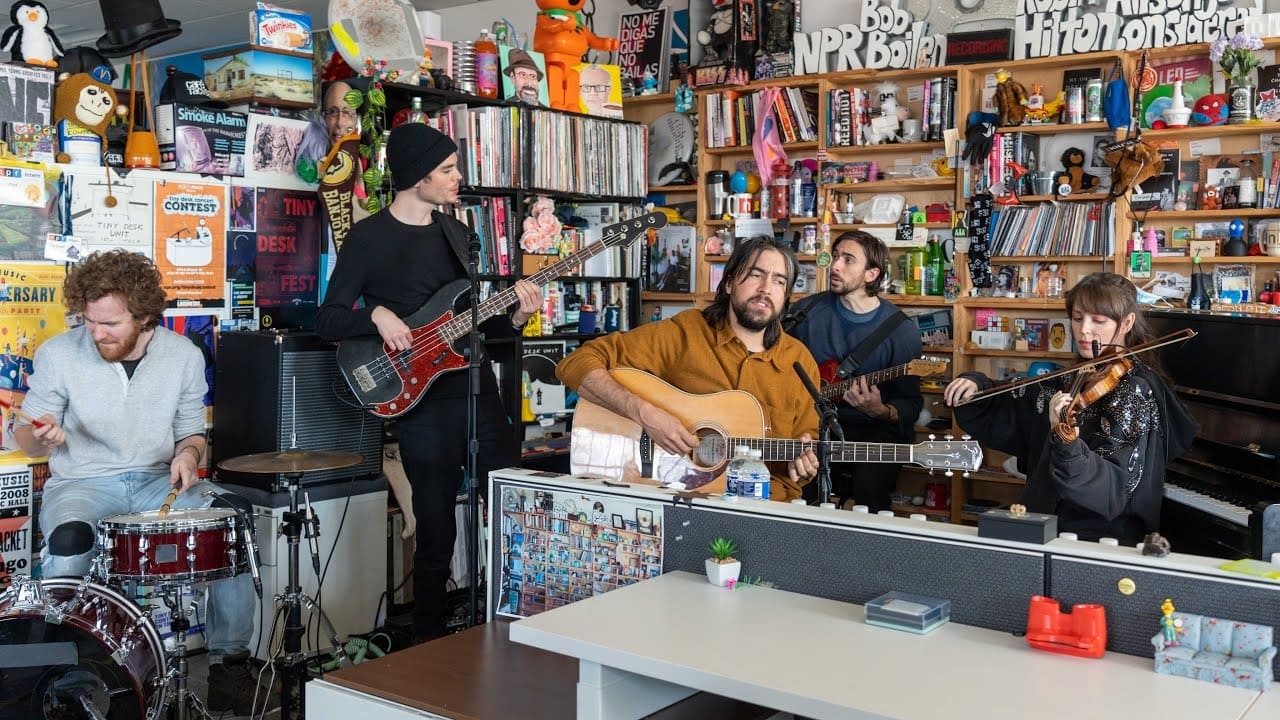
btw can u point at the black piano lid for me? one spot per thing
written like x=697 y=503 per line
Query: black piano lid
x=1233 y=359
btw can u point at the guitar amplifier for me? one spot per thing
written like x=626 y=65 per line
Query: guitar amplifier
x=280 y=390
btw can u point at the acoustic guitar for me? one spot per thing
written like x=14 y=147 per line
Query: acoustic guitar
x=606 y=444
x=390 y=382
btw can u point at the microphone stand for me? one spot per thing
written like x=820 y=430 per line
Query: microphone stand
x=475 y=340
x=828 y=425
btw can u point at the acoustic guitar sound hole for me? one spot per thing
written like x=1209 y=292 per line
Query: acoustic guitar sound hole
x=712 y=448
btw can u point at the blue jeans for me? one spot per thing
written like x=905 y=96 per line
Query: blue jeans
x=229 y=616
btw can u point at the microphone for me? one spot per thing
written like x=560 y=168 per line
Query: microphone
x=1097 y=348
x=808 y=384
x=251 y=550
x=313 y=534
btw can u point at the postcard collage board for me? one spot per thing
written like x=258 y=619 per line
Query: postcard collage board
x=560 y=547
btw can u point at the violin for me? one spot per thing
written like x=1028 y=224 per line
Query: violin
x=1103 y=359
x=1088 y=389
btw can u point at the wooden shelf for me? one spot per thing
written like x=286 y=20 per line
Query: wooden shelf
x=920 y=509
x=742 y=149
x=635 y=101
x=1058 y=128
x=863 y=226
x=1031 y=303
x=1049 y=258
x=993 y=475
x=931 y=183
x=673 y=188
x=1158 y=215
x=1210 y=131
x=1217 y=260
x=917 y=300
x=837 y=151
x=975 y=351
x=1078 y=197
x=653 y=296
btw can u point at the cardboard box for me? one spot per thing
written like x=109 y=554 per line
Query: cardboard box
x=201 y=140
x=264 y=75
x=281 y=28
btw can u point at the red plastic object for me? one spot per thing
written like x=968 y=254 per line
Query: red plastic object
x=1081 y=632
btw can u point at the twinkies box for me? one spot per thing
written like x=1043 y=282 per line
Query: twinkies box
x=280 y=28
x=200 y=139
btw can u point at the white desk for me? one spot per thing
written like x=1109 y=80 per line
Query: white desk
x=645 y=646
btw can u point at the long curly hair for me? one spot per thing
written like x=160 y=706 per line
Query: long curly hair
x=117 y=272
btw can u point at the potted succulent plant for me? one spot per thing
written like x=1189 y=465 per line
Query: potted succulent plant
x=722 y=568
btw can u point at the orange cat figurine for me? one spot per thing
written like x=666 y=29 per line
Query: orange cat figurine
x=562 y=36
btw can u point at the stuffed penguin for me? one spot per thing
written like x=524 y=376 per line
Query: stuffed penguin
x=29 y=38
x=86 y=102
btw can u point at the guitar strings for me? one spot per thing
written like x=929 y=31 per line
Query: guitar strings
x=383 y=367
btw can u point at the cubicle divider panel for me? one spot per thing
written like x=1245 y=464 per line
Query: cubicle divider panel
x=988 y=586
x=1134 y=618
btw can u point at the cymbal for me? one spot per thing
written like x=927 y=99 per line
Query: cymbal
x=291 y=461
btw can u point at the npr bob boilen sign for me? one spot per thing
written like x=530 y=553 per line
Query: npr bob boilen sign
x=888 y=38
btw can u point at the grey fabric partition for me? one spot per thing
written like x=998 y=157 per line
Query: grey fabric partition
x=1132 y=620
x=988 y=587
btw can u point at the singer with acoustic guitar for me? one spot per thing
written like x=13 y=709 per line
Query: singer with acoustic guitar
x=1096 y=442
x=397 y=260
x=851 y=332
x=117 y=405
x=736 y=343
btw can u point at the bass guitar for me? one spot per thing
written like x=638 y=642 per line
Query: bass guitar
x=606 y=444
x=390 y=382
x=833 y=389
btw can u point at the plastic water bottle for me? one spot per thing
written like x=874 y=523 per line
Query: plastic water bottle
x=760 y=474
x=737 y=469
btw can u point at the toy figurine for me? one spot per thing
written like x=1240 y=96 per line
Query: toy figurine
x=1155 y=545
x=1038 y=110
x=684 y=98
x=30 y=39
x=1169 y=626
x=649 y=84
x=717 y=36
x=561 y=35
x=1011 y=97
x=1073 y=178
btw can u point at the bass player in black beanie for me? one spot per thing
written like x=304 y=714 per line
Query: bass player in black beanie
x=397 y=260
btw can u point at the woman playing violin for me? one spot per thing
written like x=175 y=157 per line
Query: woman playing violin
x=1095 y=444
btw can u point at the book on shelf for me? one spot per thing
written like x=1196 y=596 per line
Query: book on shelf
x=1159 y=192
x=1268 y=107
x=1036 y=332
x=1059 y=335
x=539 y=384
x=1043 y=275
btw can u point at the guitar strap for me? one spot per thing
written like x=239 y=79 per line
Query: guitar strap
x=858 y=355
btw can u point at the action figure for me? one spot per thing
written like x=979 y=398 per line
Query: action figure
x=1169 y=625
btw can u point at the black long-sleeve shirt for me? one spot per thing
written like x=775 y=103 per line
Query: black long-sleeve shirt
x=401 y=267
x=1109 y=481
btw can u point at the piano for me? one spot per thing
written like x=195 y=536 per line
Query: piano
x=1222 y=498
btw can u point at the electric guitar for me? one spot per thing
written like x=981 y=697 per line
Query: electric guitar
x=606 y=444
x=924 y=366
x=390 y=382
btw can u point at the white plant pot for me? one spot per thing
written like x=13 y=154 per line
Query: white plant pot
x=721 y=574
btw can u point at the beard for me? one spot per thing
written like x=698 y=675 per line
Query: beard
x=117 y=351
x=754 y=319
x=842 y=286
x=528 y=94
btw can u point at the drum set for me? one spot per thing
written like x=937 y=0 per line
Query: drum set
x=82 y=648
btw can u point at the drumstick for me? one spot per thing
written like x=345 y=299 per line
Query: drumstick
x=168 y=502
x=9 y=406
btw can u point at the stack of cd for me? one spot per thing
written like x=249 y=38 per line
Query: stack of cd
x=464 y=66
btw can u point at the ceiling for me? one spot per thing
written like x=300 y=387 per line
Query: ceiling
x=205 y=23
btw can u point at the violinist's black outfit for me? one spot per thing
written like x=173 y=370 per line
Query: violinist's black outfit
x=1109 y=482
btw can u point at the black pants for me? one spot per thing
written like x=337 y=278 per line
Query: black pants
x=433 y=450
x=868 y=484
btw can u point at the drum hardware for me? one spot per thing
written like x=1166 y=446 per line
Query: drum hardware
x=292 y=465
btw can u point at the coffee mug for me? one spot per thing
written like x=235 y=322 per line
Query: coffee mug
x=587 y=320
x=911 y=130
x=1271 y=241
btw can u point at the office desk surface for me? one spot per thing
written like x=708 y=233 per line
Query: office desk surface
x=817 y=657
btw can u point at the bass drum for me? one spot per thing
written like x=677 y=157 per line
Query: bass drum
x=67 y=645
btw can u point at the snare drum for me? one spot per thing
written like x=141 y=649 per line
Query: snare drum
x=188 y=546
x=81 y=639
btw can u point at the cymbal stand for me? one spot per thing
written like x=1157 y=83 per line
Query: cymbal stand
x=175 y=680
x=293 y=664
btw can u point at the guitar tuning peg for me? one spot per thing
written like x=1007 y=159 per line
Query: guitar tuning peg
x=966 y=437
x=949 y=473
x=949 y=437
x=932 y=437
x=965 y=474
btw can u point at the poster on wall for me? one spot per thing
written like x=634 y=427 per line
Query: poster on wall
x=23 y=228
x=190 y=242
x=288 y=262
x=15 y=491
x=31 y=312
x=277 y=147
x=560 y=547
x=200 y=330
x=15 y=548
x=105 y=213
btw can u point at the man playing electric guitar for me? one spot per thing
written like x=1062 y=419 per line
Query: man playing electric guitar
x=736 y=343
x=851 y=329
x=397 y=260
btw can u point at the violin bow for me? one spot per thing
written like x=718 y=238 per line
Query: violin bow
x=1174 y=337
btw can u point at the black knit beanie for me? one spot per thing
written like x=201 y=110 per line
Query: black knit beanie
x=414 y=150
